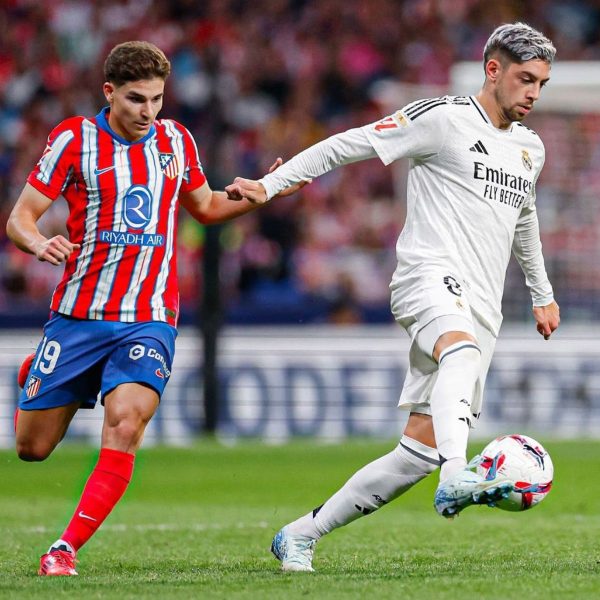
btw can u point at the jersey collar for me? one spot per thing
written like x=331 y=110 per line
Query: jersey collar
x=102 y=121
x=485 y=117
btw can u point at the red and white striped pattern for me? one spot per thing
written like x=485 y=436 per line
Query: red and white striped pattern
x=93 y=169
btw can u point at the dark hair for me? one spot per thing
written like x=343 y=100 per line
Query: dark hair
x=133 y=61
x=518 y=43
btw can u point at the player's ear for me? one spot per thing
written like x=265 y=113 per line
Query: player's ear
x=108 y=89
x=493 y=67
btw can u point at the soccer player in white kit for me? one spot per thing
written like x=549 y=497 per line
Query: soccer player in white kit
x=471 y=200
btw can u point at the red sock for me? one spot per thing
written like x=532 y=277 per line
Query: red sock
x=103 y=490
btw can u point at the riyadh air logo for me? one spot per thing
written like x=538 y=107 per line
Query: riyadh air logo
x=137 y=207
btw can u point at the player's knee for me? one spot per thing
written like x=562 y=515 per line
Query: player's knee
x=33 y=451
x=127 y=432
x=465 y=356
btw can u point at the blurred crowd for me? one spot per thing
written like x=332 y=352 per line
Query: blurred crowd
x=266 y=78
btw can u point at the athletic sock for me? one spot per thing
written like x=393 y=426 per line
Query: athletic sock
x=63 y=545
x=451 y=398
x=103 y=490
x=371 y=487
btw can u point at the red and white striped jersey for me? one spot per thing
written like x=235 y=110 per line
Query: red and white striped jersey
x=123 y=207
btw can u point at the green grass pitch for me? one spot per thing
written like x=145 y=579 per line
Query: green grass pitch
x=197 y=523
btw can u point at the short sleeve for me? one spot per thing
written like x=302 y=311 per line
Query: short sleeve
x=193 y=175
x=531 y=197
x=416 y=131
x=53 y=171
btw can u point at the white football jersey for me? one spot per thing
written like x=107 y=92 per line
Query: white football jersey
x=470 y=185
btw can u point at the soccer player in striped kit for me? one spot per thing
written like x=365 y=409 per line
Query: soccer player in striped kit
x=471 y=200
x=113 y=315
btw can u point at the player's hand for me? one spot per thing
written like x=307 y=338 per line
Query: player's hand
x=55 y=250
x=254 y=191
x=246 y=189
x=547 y=319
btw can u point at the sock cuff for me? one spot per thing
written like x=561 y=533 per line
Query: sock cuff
x=116 y=462
x=416 y=448
x=457 y=347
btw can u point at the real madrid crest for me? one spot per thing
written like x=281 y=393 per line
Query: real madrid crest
x=526 y=160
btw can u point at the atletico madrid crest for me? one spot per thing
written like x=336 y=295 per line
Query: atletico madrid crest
x=33 y=386
x=169 y=164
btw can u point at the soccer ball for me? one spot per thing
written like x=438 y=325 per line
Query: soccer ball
x=525 y=462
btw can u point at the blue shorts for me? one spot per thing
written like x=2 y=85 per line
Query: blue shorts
x=79 y=359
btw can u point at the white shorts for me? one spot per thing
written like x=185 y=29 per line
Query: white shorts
x=441 y=313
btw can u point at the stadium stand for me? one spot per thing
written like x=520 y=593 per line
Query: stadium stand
x=254 y=80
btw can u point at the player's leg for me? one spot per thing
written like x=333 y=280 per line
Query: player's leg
x=38 y=432
x=373 y=486
x=24 y=369
x=133 y=380
x=459 y=364
x=55 y=383
x=455 y=401
x=128 y=409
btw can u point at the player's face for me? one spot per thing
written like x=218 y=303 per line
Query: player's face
x=519 y=86
x=134 y=106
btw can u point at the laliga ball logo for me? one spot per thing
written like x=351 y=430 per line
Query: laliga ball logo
x=137 y=207
x=525 y=463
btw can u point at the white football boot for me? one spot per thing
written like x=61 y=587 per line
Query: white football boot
x=467 y=487
x=294 y=551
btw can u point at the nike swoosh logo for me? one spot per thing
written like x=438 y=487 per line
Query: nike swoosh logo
x=98 y=171
x=84 y=516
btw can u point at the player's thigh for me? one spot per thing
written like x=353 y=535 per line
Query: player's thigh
x=37 y=432
x=423 y=367
x=67 y=364
x=443 y=331
x=133 y=380
x=448 y=339
x=128 y=409
x=143 y=354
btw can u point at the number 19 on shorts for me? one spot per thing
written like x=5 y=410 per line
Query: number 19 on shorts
x=47 y=356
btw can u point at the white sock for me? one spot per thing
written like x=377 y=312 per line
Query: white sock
x=451 y=466
x=451 y=397
x=61 y=544
x=371 y=487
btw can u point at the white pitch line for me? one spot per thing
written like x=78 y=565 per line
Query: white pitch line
x=154 y=527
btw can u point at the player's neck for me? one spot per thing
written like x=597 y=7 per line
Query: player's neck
x=493 y=110
x=114 y=124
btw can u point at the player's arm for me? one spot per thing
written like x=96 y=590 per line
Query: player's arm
x=399 y=135
x=527 y=248
x=341 y=149
x=210 y=207
x=22 y=228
